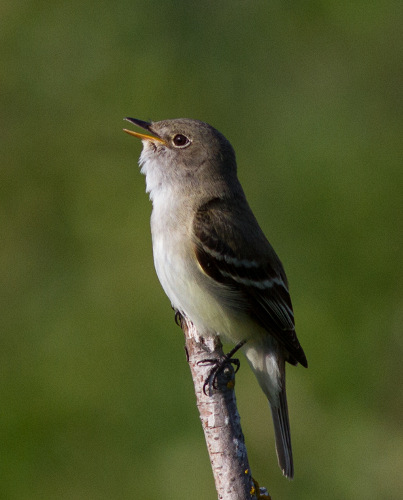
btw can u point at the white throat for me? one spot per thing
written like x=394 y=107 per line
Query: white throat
x=152 y=167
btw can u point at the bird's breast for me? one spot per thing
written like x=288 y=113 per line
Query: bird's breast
x=209 y=305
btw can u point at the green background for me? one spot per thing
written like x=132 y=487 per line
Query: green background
x=96 y=399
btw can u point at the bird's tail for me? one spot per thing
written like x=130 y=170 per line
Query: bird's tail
x=268 y=364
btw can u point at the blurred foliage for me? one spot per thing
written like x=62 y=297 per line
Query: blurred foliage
x=96 y=398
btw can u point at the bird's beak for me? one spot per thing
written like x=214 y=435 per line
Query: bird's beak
x=146 y=126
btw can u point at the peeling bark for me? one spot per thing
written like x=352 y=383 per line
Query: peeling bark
x=220 y=419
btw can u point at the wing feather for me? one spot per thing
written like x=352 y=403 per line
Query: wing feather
x=248 y=264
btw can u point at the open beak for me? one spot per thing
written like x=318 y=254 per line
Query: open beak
x=146 y=126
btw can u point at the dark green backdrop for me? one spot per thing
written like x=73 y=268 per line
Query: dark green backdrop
x=96 y=400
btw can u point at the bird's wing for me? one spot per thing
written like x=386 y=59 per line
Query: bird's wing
x=231 y=248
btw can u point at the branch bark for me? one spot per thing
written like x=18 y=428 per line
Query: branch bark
x=220 y=419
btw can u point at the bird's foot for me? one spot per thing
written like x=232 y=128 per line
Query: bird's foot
x=178 y=318
x=219 y=366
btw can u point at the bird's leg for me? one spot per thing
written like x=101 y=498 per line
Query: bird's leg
x=178 y=317
x=218 y=366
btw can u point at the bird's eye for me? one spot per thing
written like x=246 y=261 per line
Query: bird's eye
x=180 y=141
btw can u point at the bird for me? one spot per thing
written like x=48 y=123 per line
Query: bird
x=213 y=260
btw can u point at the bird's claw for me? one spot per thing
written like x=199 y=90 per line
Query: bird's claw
x=219 y=365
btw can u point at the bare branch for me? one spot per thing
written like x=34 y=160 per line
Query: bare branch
x=220 y=419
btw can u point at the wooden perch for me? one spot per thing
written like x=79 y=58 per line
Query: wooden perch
x=220 y=420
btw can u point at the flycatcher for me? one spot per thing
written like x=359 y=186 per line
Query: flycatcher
x=213 y=260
